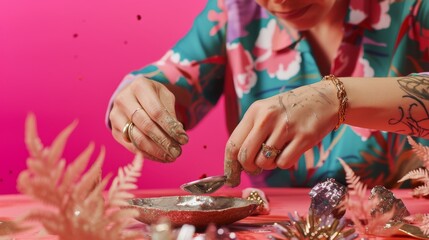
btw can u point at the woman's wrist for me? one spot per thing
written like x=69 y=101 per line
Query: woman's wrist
x=342 y=98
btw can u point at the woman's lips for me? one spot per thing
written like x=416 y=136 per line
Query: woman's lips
x=292 y=14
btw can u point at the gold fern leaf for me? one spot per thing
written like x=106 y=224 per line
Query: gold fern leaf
x=421 y=151
x=419 y=174
x=421 y=191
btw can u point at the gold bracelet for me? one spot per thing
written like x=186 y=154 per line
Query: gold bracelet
x=342 y=98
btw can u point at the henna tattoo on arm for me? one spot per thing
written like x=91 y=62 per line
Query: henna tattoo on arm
x=416 y=90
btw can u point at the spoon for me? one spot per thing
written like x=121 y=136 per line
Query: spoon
x=204 y=185
x=232 y=173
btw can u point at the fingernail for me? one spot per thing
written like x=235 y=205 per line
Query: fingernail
x=183 y=138
x=174 y=151
x=169 y=159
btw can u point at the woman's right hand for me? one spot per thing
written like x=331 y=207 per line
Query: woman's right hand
x=149 y=105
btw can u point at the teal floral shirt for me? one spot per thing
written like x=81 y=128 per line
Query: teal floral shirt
x=238 y=49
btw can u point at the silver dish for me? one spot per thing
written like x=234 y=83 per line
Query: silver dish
x=199 y=211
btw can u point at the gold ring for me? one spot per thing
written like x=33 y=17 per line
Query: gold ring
x=269 y=151
x=131 y=136
x=125 y=131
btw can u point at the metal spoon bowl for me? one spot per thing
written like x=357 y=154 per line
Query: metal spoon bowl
x=204 y=185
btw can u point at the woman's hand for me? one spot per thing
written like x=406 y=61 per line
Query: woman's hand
x=276 y=131
x=155 y=130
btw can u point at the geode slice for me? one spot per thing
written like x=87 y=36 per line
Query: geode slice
x=386 y=202
x=328 y=198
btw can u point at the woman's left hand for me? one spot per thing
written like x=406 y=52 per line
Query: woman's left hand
x=276 y=131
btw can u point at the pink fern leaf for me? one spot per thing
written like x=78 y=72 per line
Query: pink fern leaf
x=78 y=209
x=421 y=151
x=59 y=143
x=32 y=140
x=421 y=191
x=120 y=219
x=125 y=181
x=90 y=179
x=419 y=174
x=94 y=202
x=355 y=186
x=76 y=168
x=119 y=216
x=51 y=221
x=39 y=188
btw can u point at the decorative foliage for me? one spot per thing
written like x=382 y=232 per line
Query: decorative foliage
x=11 y=227
x=420 y=175
x=77 y=207
x=421 y=151
x=420 y=220
x=359 y=207
x=424 y=226
x=315 y=228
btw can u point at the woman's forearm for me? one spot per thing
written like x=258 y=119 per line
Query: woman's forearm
x=397 y=104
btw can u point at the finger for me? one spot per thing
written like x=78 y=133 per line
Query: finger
x=117 y=133
x=250 y=148
x=146 y=145
x=152 y=104
x=127 y=106
x=277 y=141
x=144 y=124
x=150 y=150
x=168 y=101
x=232 y=167
x=290 y=154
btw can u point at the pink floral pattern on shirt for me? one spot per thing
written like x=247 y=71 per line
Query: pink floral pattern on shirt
x=377 y=16
x=284 y=64
x=242 y=68
x=219 y=17
x=173 y=68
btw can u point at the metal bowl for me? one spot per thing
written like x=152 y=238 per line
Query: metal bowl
x=199 y=211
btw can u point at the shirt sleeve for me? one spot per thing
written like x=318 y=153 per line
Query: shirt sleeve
x=193 y=69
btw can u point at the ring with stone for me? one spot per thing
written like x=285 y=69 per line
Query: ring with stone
x=269 y=151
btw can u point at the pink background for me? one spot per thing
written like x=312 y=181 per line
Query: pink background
x=63 y=59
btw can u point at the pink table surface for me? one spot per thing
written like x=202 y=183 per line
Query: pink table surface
x=282 y=202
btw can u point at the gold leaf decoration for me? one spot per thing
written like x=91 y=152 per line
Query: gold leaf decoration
x=313 y=228
x=78 y=209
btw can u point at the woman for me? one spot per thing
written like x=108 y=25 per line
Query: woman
x=268 y=58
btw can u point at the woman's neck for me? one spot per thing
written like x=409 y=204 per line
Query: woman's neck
x=325 y=38
x=333 y=21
